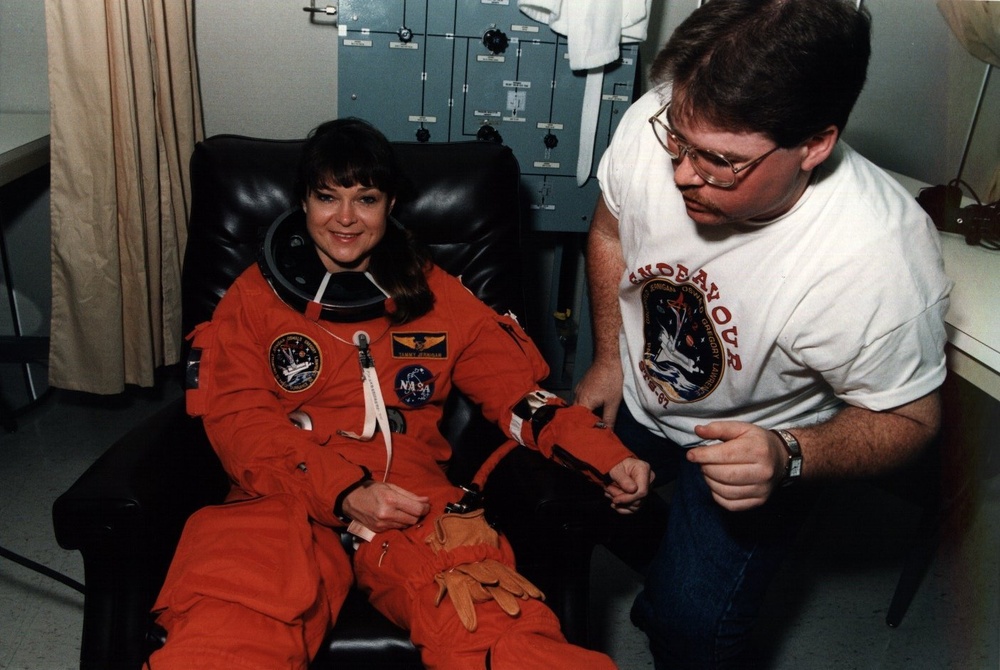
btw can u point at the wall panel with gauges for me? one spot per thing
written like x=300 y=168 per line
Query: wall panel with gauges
x=463 y=70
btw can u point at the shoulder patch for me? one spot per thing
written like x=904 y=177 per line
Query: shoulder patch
x=420 y=345
x=295 y=362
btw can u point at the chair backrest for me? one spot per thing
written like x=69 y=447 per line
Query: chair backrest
x=463 y=202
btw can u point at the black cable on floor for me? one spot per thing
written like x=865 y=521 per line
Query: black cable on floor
x=42 y=570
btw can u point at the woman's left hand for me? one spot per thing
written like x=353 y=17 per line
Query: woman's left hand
x=631 y=479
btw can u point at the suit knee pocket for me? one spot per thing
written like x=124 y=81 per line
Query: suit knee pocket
x=257 y=553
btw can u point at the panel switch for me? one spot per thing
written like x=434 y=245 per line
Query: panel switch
x=516 y=100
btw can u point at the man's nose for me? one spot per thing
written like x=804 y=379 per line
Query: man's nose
x=684 y=172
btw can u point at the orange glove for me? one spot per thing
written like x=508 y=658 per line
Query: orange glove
x=487 y=579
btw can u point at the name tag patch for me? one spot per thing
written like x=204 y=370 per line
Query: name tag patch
x=420 y=345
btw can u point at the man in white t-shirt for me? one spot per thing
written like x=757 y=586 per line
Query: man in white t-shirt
x=768 y=304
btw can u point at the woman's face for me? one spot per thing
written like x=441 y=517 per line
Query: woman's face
x=346 y=223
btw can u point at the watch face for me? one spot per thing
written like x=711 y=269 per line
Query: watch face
x=793 y=466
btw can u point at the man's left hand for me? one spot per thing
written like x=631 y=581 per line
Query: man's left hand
x=744 y=467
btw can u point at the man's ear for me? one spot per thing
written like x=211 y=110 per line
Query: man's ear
x=819 y=147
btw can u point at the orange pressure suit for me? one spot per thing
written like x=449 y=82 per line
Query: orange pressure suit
x=256 y=582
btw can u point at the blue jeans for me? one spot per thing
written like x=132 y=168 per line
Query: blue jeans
x=707 y=580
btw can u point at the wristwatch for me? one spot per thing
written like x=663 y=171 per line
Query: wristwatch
x=793 y=466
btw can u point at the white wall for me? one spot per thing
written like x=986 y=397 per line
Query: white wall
x=984 y=156
x=265 y=70
x=24 y=203
x=24 y=78
x=916 y=111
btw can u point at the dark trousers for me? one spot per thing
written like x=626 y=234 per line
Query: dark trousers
x=707 y=581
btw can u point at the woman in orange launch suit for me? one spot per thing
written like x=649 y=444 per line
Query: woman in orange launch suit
x=324 y=412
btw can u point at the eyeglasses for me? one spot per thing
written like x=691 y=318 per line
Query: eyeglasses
x=710 y=165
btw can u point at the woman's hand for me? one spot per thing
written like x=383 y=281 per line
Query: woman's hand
x=381 y=506
x=630 y=484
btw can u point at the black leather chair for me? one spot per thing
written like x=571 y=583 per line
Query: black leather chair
x=125 y=513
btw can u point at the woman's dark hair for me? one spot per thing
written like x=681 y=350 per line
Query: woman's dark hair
x=351 y=151
x=784 y=68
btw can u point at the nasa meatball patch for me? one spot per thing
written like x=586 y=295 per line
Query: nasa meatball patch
x=414 y=385
x=295 y=362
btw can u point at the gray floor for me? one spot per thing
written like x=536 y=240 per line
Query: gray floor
x=827 y=611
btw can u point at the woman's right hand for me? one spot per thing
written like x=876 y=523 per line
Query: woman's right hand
x=381 y=506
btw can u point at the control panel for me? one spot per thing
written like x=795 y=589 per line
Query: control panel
x=462 y=70
x=452 y=70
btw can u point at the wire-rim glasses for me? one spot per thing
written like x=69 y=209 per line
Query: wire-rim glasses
x=710 y=165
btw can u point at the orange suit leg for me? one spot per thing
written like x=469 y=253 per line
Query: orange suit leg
x=253 y=585
x=397 y=571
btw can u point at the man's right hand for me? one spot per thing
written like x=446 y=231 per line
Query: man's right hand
x=601 y=388
x=381 y=506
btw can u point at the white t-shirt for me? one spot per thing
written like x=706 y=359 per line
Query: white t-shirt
x=840 y=300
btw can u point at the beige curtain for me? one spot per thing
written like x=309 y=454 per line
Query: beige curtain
x=976 y=25
x=126 y=113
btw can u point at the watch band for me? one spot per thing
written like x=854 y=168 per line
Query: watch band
x=793 y=466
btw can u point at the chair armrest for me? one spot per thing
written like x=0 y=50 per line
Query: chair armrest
x=146 y=483
x=554 y=518
x=526 y=491
x=125 y=515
